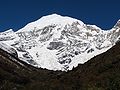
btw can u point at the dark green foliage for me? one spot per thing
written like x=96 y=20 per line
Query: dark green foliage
x=100 y=73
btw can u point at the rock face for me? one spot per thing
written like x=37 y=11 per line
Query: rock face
x=57 y=42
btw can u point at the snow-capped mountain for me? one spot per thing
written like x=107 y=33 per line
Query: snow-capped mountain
x=58 y=42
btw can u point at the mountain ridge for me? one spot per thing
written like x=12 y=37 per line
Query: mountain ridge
x=59 y=42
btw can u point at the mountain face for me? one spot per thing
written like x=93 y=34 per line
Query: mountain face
x=58 y=42
x=100 y=73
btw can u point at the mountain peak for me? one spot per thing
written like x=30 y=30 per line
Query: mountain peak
x=117 y=24
x=9 y=30
x=50 y=20
x=52 y=15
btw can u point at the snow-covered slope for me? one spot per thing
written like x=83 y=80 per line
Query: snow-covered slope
x=8 y=49
x=58 y=42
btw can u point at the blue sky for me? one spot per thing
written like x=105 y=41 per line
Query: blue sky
x=17 y=13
